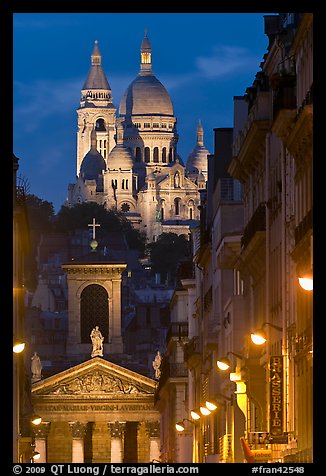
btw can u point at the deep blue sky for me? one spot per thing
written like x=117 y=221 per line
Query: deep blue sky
x=203 y=60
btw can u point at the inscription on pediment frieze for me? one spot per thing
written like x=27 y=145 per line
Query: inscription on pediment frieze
x=97 y=383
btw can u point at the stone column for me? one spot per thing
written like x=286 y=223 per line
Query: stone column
x=40 y=435
x=78 y=431
x=117 y=344
x=153 y=429
x=117 y=433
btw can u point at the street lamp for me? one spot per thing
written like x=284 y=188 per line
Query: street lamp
x=18 y=346
x=211 y=405
x=35 y=419
x=258 y=337
x=224 y=363
x=180 y=424
x=35 y=456
x=195 y=415
x=204 y=410
x=306 y=281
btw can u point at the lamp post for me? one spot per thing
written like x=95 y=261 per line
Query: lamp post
x=258 y=337
x=18 y=346
x=184 y=443
x=180 y=424
x=224 y=363
x=306 y=281
x=236 y=423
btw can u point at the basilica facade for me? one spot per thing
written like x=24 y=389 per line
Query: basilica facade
x=127 y=158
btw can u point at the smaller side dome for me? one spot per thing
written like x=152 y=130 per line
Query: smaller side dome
x=120 y=156
x=93 y=163
x=197 y=159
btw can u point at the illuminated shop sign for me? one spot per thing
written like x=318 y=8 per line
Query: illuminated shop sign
x=276 y=395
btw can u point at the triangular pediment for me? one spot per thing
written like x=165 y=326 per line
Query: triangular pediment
x=165 y=183
x=96 y=377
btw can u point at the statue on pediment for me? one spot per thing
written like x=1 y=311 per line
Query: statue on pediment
x=157 y=364
x=36 y=367
x=97 y=341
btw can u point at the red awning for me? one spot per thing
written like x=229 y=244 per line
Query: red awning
x=249 y=455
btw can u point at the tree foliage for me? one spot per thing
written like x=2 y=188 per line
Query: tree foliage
x=166 y=253
x=40 y=215
x=42 y=220
x=81 y=215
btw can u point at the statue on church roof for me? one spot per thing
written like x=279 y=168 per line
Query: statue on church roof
x=97 y=341
x=157 y=364
x=36 y=367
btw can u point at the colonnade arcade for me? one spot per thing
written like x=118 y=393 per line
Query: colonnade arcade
x=96 y=412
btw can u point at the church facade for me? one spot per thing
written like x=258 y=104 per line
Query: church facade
x=96 y=412
x=127 y=158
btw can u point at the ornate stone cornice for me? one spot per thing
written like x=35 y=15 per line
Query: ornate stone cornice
x=95 y=383
x=107 y=269
x=57 y=407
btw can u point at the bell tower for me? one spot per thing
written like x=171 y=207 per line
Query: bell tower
x=94 y=299
x=96 y=111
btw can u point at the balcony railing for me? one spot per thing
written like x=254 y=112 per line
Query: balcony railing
x=178 y=330
x=284 y=94
x=304 y=226
x=257 y=223
x=172 y=371
x=192 y=354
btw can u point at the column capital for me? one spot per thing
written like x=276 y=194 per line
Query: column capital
x=78 y=429
x=117 y=428
x=42 y=430
x=153 y=429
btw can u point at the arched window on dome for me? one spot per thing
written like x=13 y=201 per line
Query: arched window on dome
x=155 y=154
x=177 y=202
x=164 y=155
x=138 y=154
x=162 y=209
x=171 y=155
x=100 y=125
x=147 y=154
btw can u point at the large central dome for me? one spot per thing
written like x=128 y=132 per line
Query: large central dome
x=146 y=95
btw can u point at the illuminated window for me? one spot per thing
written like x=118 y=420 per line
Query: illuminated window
x=146 y=57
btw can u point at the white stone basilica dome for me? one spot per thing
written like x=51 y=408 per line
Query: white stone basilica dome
x=146 y=95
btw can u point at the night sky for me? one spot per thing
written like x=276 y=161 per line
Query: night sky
x=203 y=60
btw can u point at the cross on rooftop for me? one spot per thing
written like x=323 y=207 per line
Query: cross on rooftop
x=94 y=225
